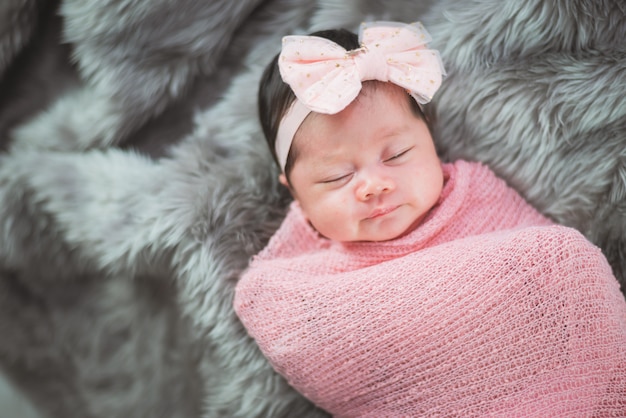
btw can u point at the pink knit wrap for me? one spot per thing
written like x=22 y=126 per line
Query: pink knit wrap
x=485 y=309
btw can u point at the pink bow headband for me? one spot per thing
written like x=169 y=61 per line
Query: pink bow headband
x=326 y=78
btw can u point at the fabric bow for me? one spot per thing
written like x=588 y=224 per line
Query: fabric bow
x=326 y=77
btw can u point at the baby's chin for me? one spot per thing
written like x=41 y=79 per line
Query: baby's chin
x=391 y=235
x=388 y=235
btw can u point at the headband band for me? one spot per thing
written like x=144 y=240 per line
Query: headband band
x=326 y=78
x=290 y=123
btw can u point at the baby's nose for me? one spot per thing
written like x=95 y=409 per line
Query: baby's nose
x=374 y=185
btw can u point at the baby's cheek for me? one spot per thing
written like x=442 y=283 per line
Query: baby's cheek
x=334 y=217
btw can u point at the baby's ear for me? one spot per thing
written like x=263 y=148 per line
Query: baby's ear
x=282 y=178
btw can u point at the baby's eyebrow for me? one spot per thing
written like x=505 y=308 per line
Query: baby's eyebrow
x=332 y=156
x=327 y=169
x=391 y=132
x=395 y=130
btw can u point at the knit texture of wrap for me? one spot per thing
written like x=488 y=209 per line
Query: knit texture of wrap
x=487 y=308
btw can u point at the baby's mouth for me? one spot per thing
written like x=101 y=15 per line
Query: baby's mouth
x=379 y=212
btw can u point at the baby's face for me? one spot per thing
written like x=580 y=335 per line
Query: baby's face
x=368 y=173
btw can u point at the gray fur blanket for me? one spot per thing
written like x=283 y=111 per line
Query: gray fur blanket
x=135 y=183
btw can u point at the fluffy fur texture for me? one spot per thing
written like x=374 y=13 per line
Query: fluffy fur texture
x=135 y=183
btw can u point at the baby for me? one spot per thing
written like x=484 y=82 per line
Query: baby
x=401 y=286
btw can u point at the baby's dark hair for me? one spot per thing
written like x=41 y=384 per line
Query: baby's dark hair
x=275 y=96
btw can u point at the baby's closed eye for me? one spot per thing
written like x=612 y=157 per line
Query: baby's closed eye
x=337 y=179
x=398 y=155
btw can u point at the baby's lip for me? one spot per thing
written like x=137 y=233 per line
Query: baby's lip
x=378 y=212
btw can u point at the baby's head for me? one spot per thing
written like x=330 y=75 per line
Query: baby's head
x=361 y=161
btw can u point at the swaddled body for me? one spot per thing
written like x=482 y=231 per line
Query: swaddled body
x=483 y=309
